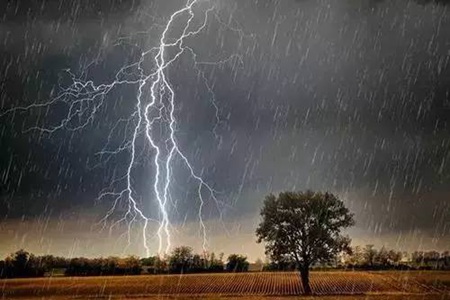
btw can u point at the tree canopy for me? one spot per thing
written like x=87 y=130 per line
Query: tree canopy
x=237 y=263
x=304 y=227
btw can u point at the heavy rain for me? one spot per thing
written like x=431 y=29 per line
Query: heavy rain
x=132 y=128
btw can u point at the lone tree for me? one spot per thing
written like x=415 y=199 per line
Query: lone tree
x=304 y=227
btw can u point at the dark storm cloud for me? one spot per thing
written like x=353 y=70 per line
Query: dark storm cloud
x=35 y=28
x=351 y=99
x=40 y=39
x=63 y=9
x=347 y=96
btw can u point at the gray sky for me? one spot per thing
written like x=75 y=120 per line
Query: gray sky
x=346 y=96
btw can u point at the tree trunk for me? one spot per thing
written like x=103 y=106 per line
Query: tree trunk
x=304 y=274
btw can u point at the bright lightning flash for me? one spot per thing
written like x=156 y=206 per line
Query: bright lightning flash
x=155 y=104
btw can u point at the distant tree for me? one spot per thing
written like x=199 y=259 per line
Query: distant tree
x=431 y=259
x=110 y=265
x=149 y=261
x=161 y=265
x=305 y=228
x=394 y=257
x=445 y=260
x=370 y=254
x=280 y=263
x=259 y=264
x=181 y=259
x=49 y=262
x=3 y=269
x=371 y=258
x=131 y=265
x=78 y=267
x=356 y=257
x=103 y=266
x=22 y=264
x=154 y=264
x=417 y=258
x=198 y=264
x=382 y=258
x=214 y=264
x=237 y=263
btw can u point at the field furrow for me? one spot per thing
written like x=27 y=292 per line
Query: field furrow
x=269 y=284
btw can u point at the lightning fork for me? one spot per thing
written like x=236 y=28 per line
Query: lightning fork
x=84 y=99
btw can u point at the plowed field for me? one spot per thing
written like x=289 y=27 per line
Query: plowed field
x=243 y=284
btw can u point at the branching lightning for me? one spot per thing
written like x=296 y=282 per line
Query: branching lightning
x=155 y=103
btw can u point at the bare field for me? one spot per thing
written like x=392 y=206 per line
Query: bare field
x=212 y=297
x=334 y=285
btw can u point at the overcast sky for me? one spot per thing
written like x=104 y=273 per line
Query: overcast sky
x=351 y=97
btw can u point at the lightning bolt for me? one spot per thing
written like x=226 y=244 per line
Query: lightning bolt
x=155 y=105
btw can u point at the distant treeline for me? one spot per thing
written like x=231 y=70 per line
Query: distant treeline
x=370 y=258
x=184 y=260
x=180 y=260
